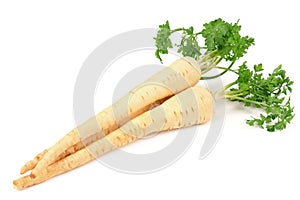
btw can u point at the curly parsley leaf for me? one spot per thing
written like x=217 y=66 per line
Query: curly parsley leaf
x=222 y=42
x=225 y=38
x=162 y=40
x=189 y=45
x=271 y=94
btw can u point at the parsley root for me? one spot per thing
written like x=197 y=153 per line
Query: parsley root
x=190 y=107
x=173 y=79
x=32 y=163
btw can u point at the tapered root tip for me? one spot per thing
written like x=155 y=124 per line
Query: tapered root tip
x=29 y=165
x=18 y=184
x=23 y=170
x=24 y=182
x=26 y=167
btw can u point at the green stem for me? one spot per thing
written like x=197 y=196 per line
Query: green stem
x=209 y=60
x=220 y=74
x=218 y=60
x=209 y=55
x=227 y=86
x=221 y=92
x=177 y=29
x=234 y=95
x=224 y=68
x=245 y=100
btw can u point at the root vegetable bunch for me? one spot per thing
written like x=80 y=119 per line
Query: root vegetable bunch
x=180 y=102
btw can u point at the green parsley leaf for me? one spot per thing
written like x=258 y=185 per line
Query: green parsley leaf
x=162 y=40
x=271 y=94
x=189 y=45
x=225 y=38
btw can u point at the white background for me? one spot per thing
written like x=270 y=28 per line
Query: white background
x=42 y=47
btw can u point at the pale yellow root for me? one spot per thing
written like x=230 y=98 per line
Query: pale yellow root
x=90 y=139
x=32 y=163
x=75 y=160
x=171 y=80
x=190 y=107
